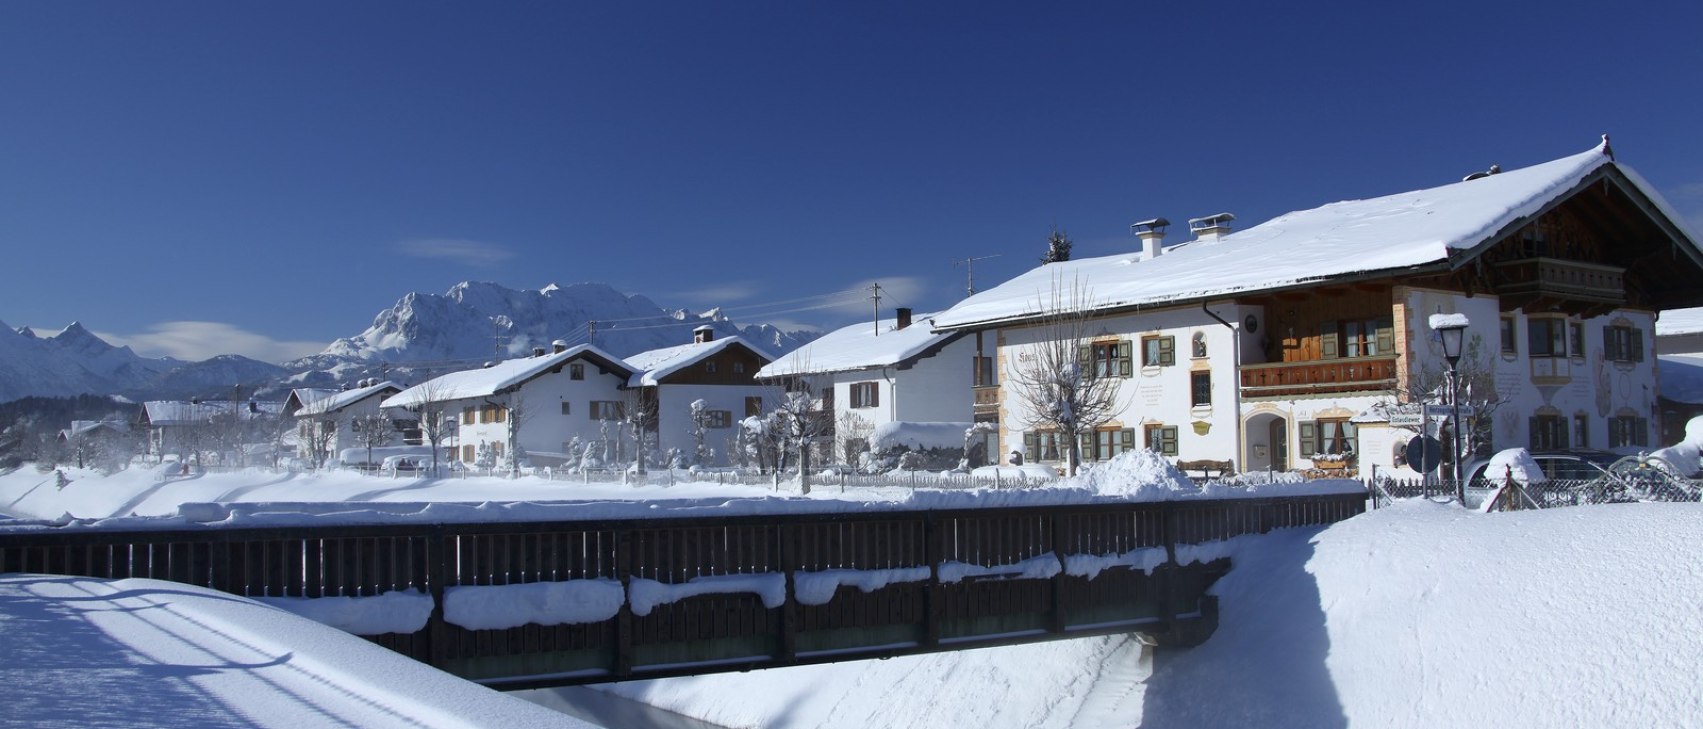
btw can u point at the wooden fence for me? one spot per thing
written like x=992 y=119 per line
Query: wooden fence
x=994 y=603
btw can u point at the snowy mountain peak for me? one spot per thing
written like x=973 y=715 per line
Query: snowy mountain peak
x=547 y=290
x=25 y=331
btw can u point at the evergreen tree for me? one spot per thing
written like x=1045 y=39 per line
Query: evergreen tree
x=1058 y=247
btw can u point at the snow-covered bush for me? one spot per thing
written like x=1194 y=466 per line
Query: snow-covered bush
x=917 y=446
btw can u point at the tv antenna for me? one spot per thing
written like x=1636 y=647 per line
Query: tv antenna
x=970 y=271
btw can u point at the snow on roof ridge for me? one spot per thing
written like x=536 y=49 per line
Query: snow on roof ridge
x=488 y=380
x=857 y=346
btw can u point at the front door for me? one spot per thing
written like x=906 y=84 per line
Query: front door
x=1278 y=437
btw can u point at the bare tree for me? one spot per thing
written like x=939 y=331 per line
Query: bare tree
x=430 y=406
x=851 y=434
x=797 y=422
x=639 y=420
x=1062 y=389
x=373 y=430
x=1429 y=383
x=316 y=435
x=702 y=454
x=519 y=413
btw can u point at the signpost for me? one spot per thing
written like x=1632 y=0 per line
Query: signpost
x=1424 y=454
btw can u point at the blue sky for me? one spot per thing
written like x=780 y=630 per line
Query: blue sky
x=195 y=178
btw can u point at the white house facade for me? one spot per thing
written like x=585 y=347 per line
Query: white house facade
x=719 y=372
x=1304 y=343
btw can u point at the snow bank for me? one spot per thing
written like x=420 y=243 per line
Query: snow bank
x=1445 y=321
x=817 y=588
x=398 y=611
x=1140 y=474
x=494 y=607
x=1686 y=456
x=918 y=436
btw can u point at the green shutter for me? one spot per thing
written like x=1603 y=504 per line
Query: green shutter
x=1085 y=359
x=1032 y=447
x=1309 y=439
x=1638 y=347
x=1167 y=351
x=1086 y=440
x=1127 y=439
x=1608 y=352
x=1386 y=337
x=1125 y=368
x=1328 y=340
x=1168 y=437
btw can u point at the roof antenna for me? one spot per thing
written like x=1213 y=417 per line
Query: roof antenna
x=970 y=271
x=1605 y=148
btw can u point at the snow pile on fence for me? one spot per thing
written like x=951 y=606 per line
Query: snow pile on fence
x=398 y=611
x=1140 y=474
x=496 y=607
x=1515 y=463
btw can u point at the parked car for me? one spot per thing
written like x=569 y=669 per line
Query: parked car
x=1556 y=465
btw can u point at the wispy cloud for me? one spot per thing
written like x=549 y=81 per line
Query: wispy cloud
x=896 y=291
x=721 y=294
x=198 y=340
x=469 y=252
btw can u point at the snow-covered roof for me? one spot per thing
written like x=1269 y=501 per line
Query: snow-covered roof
x=339 y=400
x=1682 y=378
x=857 y=347
x=1388 y=233
x=496 y=378
x=81 y=427
x=175 y=412
x=651 y=367
x=1680 y=321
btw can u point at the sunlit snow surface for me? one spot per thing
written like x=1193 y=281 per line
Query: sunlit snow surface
x=1420 y=615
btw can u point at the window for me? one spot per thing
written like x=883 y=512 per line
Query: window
x=1106 y=359
x=828 y=398
x=1546 y=337
x=1331 y=436
x=718 y=418
x=1622 y=343
x=1158 y=351
x=865 y=395
x=739 y=367
x=1200 y=388
x=753 y=405
x=709 y=366
x=1161 y=439
x=493 y=414
x=1197 y=345
x=576 y=371
x=1576 y=339
x=607 y=410
x=497 y=449
x=1043 y=445
x=468 y=417
x=1509 y=345
x=467 y=454
x=565 y=410
x=1102 y=444
x=1581 y=431
x=1356 y=338
x=1628 y=430
x=984 y=371
x=1549 y=433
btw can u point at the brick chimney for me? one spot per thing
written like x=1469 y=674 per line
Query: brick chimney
x=903 y=317
x=559 y=346
x=705 y=333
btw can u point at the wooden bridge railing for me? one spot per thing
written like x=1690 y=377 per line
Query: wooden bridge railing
x=936 y=580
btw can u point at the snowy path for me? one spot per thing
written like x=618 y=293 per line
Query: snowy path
x=145 y=653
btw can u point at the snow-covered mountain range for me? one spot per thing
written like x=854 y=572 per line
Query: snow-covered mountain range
x=75 y=361
x=423 y=334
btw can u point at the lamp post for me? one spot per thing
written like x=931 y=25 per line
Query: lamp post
x=1452 y=329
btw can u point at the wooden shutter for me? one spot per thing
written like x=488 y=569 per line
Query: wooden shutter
x=1532 y=436
x=1386 y=337
x=1328 y=340
x=1167 y=351
x=1638 y=347
x=1168 y=439
x=1126 y=438
x=1032 y=447
x=1608 y=344
x=1125 y=367
x=1086 y=440
x=1085 y=359
x=1309 y=439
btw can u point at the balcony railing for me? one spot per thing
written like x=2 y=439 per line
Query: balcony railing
x=1358 y=374
x=986 y=397
x=1558 y=279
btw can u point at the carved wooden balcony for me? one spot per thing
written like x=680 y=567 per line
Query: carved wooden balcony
x=986 y=398
x=1555 y=283
x=1358 y=374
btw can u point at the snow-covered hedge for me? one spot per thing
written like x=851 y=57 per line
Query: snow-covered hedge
x=917 y=446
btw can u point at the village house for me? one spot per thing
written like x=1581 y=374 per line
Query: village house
x=333 y=421
x=543 y=406
x=876 y=375
x=719 y=372
x=220 y=429
x=1304 y=342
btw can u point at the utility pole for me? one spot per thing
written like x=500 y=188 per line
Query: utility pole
x=497 y=338
x=876 y=296
x=591 y=332
x=970 y=271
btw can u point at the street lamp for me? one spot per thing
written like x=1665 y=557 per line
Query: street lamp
x=1452 y=329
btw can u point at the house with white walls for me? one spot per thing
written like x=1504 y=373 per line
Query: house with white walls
x=338 y=417
x=547 y=406
x=1303 y=342
x=719 y=372
x=873 y=374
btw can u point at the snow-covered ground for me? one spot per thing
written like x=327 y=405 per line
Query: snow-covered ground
x=1419 y=615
